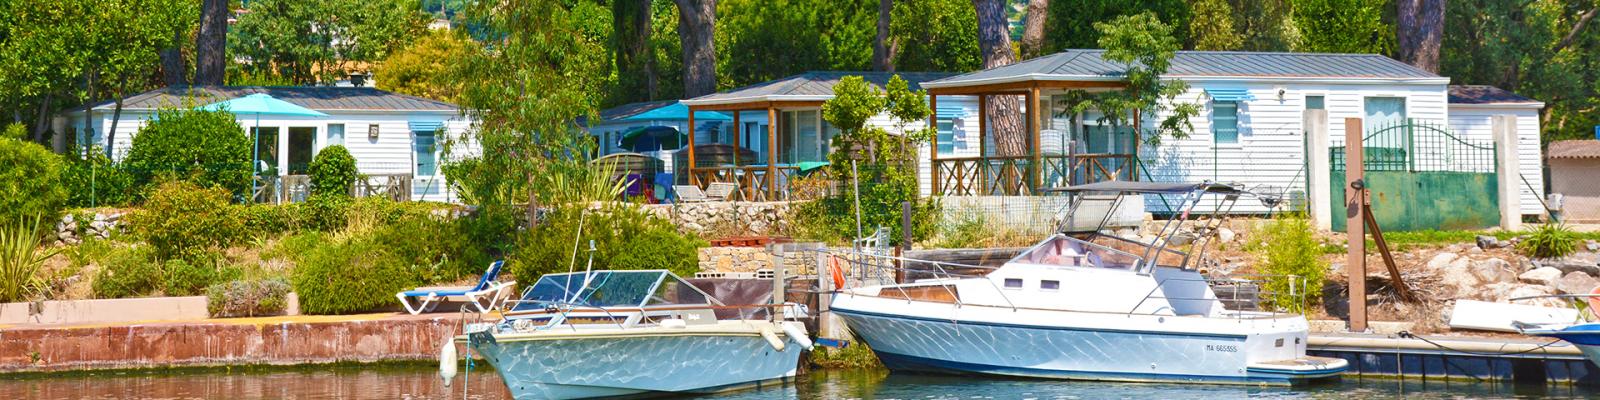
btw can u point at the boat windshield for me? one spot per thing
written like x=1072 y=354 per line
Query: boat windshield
x=648 y=288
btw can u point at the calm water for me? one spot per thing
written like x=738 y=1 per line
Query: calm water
x=405 y=382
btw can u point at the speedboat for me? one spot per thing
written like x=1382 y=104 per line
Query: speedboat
x=625 y=333
x=1087 y=306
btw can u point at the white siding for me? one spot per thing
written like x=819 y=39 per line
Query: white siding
x=1473 y=123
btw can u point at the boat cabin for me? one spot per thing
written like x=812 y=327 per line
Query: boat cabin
x=612 y=299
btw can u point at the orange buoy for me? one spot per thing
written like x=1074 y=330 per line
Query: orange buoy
x=838 y=272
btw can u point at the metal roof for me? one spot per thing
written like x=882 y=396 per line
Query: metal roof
x=1573 y=149
x=1090 y=65
x=1484 y=94
x=809 y=86
x=321 y=98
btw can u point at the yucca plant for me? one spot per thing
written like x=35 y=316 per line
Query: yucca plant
x=1553 y=240
x=21 y=257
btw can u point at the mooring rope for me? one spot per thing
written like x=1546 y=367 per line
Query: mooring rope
x=1409 y=335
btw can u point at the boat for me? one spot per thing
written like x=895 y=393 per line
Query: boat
x=632 y=333
x=1585 y=335
x=1087 y=306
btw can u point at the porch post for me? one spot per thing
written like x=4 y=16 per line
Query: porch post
x=772 y=151
x=1506 y=163
x=983 y=146
x=933 y=147
x=735 y=172
x=1355 y=262
x=690 y=168
x=1033 y=129
x=1133 y=159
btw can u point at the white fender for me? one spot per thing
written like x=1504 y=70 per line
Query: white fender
x=772 y=337
x=797 y=334
x=447 y=362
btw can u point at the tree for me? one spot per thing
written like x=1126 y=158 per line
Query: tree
x=994 y=41
x=1264 y=25
x=935 y=35
x=881 y=51
x=886 y=169
x=1420 y=32
x=1070 y=24
x=637 y=79
x=1145 y=47
x=696 y=27
x=1033 y=28
x=208 y=148
x=318 y=41
x=1212 y=26
x=541 y=73
x=1342 y=26
x=423 y=68
x=211 y=52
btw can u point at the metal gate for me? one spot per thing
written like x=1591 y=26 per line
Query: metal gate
x=1421 y=177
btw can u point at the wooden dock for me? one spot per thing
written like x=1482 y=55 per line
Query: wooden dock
x=1446 y=358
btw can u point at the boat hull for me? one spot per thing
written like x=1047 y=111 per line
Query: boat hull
x=923 y=344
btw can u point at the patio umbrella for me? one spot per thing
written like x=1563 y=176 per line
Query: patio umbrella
x=260 y=104
x=652 y=138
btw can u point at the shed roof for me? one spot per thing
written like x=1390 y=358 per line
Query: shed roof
x=1573 y=149
x=1485 y=94
x=809 y=86
x=320 y=98
x=1090 y=65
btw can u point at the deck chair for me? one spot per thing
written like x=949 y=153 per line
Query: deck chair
x=487 y=294
x=689 y=193
x=720 y=191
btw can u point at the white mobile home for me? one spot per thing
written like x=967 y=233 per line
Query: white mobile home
x=389 y=134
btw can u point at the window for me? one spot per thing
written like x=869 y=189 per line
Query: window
x=1050 y=285
x=1225 y=121
x=947 y=135
x=1384 y=111
x=423 y=148
x=1315 y=103
x=335 y=135
x=267 y=150
x=1013 y=283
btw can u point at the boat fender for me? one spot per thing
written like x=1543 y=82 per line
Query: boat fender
x=838 y=272
x=447 y=361
x=772 y=338
x=797 y=335
x=674 y=323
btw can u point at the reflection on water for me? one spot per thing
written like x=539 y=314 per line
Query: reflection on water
x=422 y=382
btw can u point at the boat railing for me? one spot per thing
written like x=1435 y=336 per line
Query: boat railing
x=1295 y=282
x=874 y=261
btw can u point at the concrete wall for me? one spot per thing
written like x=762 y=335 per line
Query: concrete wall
x=104 y=311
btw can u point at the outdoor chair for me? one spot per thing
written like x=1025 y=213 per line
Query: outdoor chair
x=689 y=193
x=484 y=296
x=721 y=191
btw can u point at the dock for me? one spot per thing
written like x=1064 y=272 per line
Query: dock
x=1445 y=358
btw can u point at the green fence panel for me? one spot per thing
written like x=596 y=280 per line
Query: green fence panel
x=1412 y=201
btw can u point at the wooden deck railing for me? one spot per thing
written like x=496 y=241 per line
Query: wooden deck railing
x=752 y=181
x=297 y=188
x=1021 y=176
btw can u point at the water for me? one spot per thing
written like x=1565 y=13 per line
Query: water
x=422 y=382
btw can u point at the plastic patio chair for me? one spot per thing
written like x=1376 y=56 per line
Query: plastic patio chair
x=689 y=193
x=720 y=191
x=484 y=296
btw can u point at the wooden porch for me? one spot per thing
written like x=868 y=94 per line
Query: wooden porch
x=763 y=180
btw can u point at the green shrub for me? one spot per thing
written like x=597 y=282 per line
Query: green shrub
x=626 y=238
x=21 y=257
x=832 y=219
x=189 y=278
x=333 y=171
x=30 y=182
x=1553 y=240
x=183 y=221
x=324 y=212
x=1292 y=256
x=346 y=276
x=15 y=131
x=92 y=180
x=208 y=148
x=127 y=272
x=247 y=298
x=267 y=220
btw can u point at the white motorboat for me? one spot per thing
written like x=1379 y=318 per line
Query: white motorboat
x=1091 y=307
x=621 y=333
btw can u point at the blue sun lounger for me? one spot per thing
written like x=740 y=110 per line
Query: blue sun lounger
x=488 y=293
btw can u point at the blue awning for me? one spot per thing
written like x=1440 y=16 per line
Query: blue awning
x=425 y=126
x=1230 y=94
x=677 y=111
x=951 y=112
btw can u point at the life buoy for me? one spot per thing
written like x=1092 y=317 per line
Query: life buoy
x=837 y=271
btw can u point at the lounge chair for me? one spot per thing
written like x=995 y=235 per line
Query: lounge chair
x=689 y=193
x=488 y=293
x=720 y=191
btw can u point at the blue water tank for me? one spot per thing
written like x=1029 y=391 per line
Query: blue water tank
x=1597 y=132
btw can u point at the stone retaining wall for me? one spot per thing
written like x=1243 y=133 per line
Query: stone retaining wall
x=752 y=259
x=380 y=338
x=737 y=218
x=74 y=227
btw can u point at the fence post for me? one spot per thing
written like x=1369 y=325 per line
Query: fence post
x=1356 y=259
x=1506 y=172
x=1318 y=179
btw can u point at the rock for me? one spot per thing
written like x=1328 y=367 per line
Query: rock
x=1572 y=264
x=1577 y=283
x=1488 y=242
x=1182 y=238
x=1441 y=260
x=1592 y=245
x=1459 y=276
x=1540 y=276
x=1226 y=235
x=1522 y=291
x=1493 y=270
x=1475 y=250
